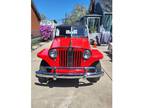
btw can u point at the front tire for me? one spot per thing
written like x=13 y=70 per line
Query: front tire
x=93 y=80
x=98 y=67
x=42 y=67
x=42 y=80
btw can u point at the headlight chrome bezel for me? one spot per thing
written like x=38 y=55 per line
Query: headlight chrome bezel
x=53 y=53
x=86 y=54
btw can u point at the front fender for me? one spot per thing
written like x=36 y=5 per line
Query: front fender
x=44 y=56
x=96 y=56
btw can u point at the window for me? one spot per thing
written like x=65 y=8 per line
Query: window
x=71 y=31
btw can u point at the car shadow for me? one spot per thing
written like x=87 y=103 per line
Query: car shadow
x=64 y=83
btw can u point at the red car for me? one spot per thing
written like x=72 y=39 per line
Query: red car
x=70 y=56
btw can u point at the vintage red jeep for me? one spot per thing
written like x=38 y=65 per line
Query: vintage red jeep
x=70 y=56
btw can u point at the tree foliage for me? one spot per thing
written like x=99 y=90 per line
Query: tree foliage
x=43 y=17
x=76 y=14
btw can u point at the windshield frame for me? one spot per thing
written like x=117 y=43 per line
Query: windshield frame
x=72 y=29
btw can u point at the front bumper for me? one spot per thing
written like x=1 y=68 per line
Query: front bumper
x=85 y=74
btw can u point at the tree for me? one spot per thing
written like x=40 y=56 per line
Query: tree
x=76 y=14
x=43 y=17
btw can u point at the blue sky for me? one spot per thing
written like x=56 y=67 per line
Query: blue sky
x=56 y=9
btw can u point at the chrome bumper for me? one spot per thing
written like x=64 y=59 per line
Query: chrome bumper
x=55 y=75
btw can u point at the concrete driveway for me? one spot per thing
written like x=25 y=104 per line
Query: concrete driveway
x=66 y=94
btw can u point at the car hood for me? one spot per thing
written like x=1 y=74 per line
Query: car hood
x=73 y=42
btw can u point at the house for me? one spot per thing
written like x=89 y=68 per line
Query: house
x=99 y=14
x=35 y=21
x=100 y=6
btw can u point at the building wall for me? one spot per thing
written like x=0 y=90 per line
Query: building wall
x=35 y=24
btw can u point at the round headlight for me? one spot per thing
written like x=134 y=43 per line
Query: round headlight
x=86 y=54
x=53 y=53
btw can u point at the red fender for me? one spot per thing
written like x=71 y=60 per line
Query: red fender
x=96 y=56
x=44 y=56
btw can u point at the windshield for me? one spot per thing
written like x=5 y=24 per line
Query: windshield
x=71 y=31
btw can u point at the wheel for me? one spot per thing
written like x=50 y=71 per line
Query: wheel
x=98 y=66
x=42 y=80
x=42 y=67
x=93 y=80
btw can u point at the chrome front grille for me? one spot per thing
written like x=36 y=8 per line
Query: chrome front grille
x=70 y=57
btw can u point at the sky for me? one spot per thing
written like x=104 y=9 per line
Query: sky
x=56 y=9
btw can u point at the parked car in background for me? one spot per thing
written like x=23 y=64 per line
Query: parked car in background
x=70 y=56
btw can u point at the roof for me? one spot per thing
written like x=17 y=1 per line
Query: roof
x=108 y=13
x=35 y=10
x=100 y=7
x=92 y=15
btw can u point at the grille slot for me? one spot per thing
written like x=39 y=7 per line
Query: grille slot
x=70 y=57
